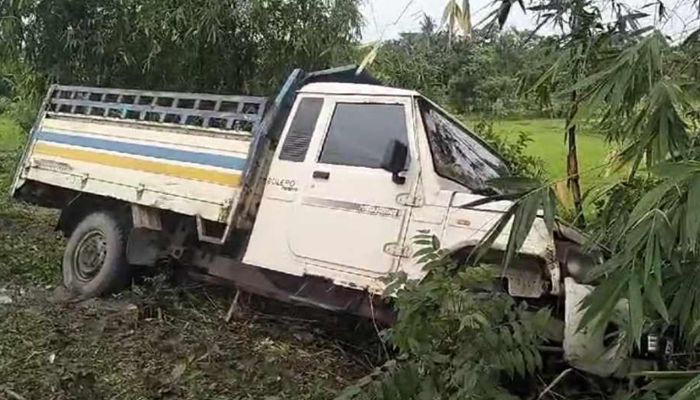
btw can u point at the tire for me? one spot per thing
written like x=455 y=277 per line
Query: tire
x=94 y=262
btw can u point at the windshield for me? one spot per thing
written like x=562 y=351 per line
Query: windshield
x=458 y=154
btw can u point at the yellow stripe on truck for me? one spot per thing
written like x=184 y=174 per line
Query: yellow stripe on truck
x=155 y=167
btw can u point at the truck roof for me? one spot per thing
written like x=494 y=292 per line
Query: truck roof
x=356 y=89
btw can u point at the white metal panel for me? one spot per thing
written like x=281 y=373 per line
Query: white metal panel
x=128 y=193
x=217 y=144
x=268 y=246
x=440 y=214
x=356 y=89
x=342 y=241
x=322 y=235
x=181 y=172
x=269 y=242
x=351 y=221
x=474 y=223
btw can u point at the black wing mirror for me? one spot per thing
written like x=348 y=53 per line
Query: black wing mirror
x=395 y=160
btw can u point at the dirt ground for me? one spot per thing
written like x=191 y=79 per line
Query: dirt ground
x=161 y=339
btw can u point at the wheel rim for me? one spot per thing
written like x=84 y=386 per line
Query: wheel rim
x=90 y=255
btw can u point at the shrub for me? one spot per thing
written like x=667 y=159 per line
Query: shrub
x=458 y=335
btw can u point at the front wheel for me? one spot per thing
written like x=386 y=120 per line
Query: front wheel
x=94 y=262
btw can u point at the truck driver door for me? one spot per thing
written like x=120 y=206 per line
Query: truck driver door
x=350 y=215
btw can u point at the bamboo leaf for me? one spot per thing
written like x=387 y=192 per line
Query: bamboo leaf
x=602 y=301
x=550 y=209
x=649 y=202
x=524 y=218
x=492 y=199
x=607 y=267
x=423 y=252
x=677 y=171
x=689 y=391
x=636 y=309
x=488 y=240
x=692 y=212
x=653 y=294
x=369 y=58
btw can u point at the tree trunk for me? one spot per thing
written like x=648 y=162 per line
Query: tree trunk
x=572 y=170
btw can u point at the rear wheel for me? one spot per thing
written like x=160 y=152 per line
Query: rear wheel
x=94 y=262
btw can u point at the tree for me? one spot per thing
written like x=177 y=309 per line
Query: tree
x=202 y=45
x=640 y=96
x=458 y=17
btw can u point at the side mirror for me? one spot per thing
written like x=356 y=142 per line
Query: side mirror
x=395 y=160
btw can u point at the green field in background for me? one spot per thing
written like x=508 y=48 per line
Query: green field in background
x=548 y=144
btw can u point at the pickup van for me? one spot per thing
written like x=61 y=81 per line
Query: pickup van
x=310 y=198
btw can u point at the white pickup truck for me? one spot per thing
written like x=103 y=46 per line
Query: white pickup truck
x=311 y=198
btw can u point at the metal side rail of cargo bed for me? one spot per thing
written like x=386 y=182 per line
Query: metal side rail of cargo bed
x=180 y=152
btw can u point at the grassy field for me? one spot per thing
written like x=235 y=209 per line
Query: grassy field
x=549 y=145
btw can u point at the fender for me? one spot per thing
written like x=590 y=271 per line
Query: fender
x=82 y=204
x=526 y=274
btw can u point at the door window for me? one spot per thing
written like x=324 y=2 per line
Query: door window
x=359 y=134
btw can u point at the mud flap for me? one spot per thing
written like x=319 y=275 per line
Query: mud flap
x=585 y=348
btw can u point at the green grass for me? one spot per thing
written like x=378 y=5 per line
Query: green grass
x=548 y=144
x=11 y=135
x=30 y=250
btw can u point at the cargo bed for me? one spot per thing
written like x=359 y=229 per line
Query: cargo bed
x=182 y=152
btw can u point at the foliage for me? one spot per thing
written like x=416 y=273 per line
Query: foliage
x=458 y=16
x=514 y=152
x=654 y=246
x=639 y=106
x=613 y=203
x=482 y=75
x=587 y=38
x=457 y=334
x=650 y=224
x=213 y=46
x=656 y=260
x=28 y=253
x=531 y=197
x=20 y=93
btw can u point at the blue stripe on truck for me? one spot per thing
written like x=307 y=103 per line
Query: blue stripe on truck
x=214 y=160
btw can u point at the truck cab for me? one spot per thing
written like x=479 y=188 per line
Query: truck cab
x=333 y=206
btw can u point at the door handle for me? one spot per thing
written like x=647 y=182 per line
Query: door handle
x=322 y=175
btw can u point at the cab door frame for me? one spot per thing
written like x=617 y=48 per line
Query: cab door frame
x=349 y=221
